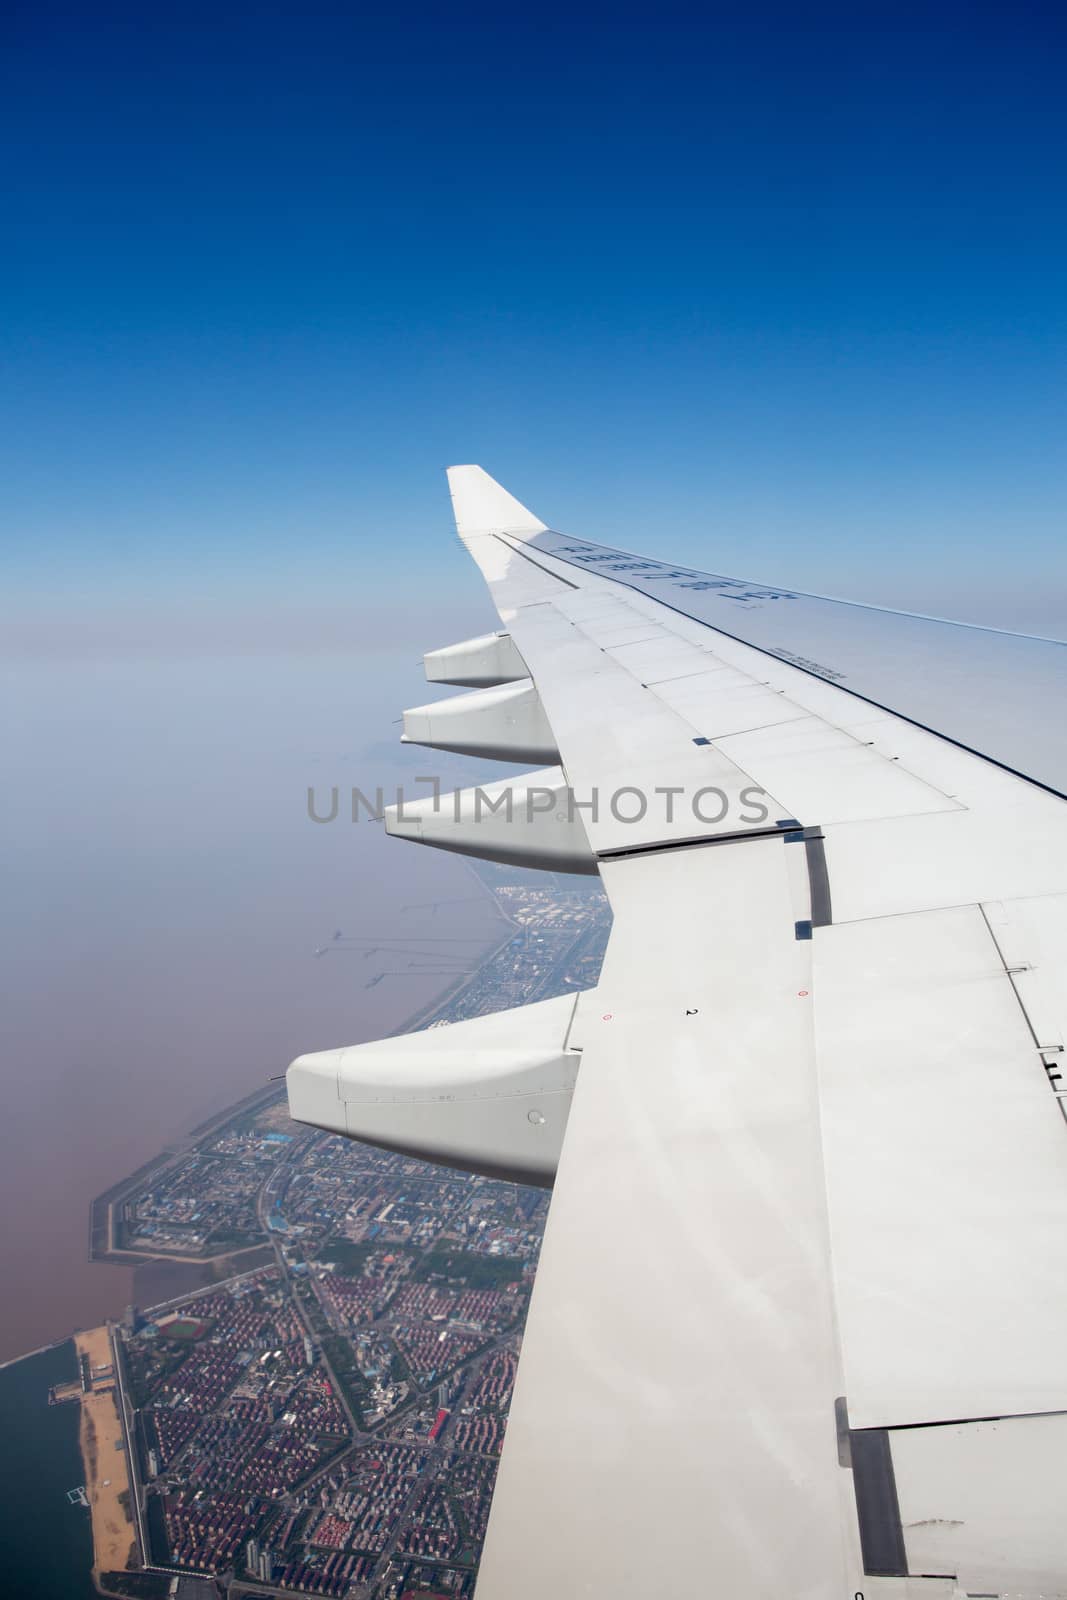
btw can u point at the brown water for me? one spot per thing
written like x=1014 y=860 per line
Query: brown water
x=163 y=894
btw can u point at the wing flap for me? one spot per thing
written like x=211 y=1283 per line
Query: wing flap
x=680 y=1364
x=946 y=1158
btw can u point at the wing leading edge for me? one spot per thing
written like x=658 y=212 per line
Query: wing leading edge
x=985 y=688
x=797 y=1321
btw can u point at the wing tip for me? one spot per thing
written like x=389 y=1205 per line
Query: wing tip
x=482 y=505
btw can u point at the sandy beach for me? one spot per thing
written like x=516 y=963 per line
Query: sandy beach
x=106 y=1477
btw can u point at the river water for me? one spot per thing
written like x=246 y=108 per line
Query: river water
x=164 y=896
x=45 y=1541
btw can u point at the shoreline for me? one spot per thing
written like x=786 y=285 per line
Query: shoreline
x=101 y=1225
x=101 y=1438
x=103 y=1247
x=103 y=1452
x=28 y=1355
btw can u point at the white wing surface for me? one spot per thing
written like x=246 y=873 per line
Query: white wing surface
x=798 y=1327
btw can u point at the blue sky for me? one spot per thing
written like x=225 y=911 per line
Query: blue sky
x=779 y=292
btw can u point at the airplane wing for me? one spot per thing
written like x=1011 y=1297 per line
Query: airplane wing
x=798 y=1325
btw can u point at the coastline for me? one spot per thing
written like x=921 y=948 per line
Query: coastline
x=103 y=1456
x=102 y=1444
x=103 y=1244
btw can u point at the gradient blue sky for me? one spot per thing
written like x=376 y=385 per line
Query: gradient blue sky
x=780 y=292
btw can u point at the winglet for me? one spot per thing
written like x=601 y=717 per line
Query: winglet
x=482 y=506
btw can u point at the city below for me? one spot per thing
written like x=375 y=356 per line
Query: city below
x=320 y=1405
